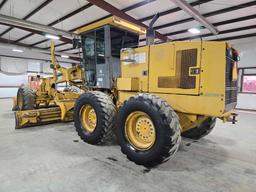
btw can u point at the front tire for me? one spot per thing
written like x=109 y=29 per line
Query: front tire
x=148 y=130
x=93 y=116
x=25 y=99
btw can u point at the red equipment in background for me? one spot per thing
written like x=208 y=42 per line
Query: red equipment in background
x=34 y=81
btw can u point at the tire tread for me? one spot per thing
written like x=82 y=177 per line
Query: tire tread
x=202 y=130
x=28 y=98
x=108 y=112
x=170 y=117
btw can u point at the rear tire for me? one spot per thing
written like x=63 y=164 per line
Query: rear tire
x=102 y=108
x=166 y=130
x=25 y=99
x=202 y=130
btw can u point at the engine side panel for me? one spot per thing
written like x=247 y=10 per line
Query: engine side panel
x=208 y=96
x=175 y=68
x=135 y=65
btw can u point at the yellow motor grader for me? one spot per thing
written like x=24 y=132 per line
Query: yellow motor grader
x=47 y=104
x=151 y=95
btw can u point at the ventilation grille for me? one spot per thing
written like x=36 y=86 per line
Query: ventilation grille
x=231 y=95
x=231 y=86
x=184 y=60
x=188 y=59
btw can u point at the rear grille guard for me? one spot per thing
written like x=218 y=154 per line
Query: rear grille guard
x=231 y=86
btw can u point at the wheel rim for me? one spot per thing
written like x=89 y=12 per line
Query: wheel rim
x=140 y=130
x=88 y=118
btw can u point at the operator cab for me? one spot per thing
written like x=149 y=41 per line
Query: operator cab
x=101 y=45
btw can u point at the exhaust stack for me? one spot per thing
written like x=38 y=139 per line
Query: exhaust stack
x=150 y=39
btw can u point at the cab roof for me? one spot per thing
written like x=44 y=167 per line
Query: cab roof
x=115 y=21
